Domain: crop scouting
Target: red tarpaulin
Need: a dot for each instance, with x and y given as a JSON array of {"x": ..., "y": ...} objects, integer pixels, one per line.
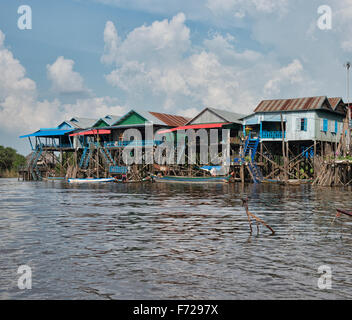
[
  {"x": 195, "y": 126},
  {"x": 91, "y": 132}
]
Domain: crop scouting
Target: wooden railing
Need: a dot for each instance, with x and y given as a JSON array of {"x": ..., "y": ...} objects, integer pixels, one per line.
[
  {"x": 133, "y": 143},
  {"x": 272, "y": 134}
]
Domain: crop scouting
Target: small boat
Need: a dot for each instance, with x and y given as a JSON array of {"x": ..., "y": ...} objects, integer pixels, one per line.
[
  {"x": 185, "y": 179},
  {"x": 54, "y": 178},
  {"x": 132, "y": 181},
  {"x": 91, "y": 180}
]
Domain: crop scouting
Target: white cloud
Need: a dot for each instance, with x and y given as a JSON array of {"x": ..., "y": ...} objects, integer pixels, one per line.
[
  {"x": 93, "y": 108},
  {"x": 166, "y": 40},
  {"x": 22, "y": 112},
  {"x": 224, "y": 47},
  {"x": 281, "y": 32},
  {"x": 19, "y": 107},
  {"x": 342, "y": 21},
  {"x": 291, "y": 74},
  {"x": 279, "y": 53},
  {"x": 214, "y": 74},
  {"x": 12, "y": 79},
  {"x": 188, "y": 112},
  {"x": 214, "y": 12},
  {"x": 63, "y": 78},
  {"x": 194, "y": 9},
  {"x": 111, "y": 41},
  {"x": 239, "y": 8}
]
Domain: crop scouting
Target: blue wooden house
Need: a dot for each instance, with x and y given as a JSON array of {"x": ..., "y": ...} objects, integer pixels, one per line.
[
  {"x": 57, "y": 139},
  {"x": 304, "y": 120}
]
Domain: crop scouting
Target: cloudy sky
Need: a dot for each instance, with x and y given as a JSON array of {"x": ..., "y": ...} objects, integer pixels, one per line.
[{"x": 96, "y": 57}]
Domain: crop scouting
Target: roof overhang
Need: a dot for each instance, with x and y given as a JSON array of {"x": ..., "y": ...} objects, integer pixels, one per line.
[
  {"x": 52, "y": 133},
  {"x": 203, "y": 111},
  {"x": 91, "y": 132},
  {"x": 99, "y": 121},
  {"x": 196, "y": 126}
]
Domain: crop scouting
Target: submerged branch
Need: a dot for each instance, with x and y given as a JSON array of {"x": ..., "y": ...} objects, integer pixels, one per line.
[{"x": 249, "y": 215}]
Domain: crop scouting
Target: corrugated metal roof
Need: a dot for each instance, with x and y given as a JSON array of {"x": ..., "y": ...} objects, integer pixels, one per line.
[
  {"x": 157, "y": 118},
  {"x": 195, "y": 126},
  {"x": 150, "y": 118},
  {"x": 82, "y": 123},
  {"x": 334, "y": 102},
  {"x": 309, "y": 103},
  {"x": 227, "y": 116},
  {"x": 170, "y": 119},
  {"x": 338, "y": 105},
  {"x": 110, "y": 119}
]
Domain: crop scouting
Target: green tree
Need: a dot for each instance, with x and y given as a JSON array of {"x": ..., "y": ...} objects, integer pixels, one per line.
[{"x": 10, "y": 159}]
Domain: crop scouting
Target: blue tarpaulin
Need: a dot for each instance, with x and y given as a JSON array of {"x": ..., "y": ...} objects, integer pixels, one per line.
[
  {"x": 47, "y": 133},
  {"x": 208, "y": 168}
]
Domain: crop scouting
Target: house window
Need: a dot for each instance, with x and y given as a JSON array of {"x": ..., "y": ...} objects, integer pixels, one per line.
[
  {"x": 335, "y": 127},
  {"x": 303, "y": 124},
  {"x": 324, "y": 125}
]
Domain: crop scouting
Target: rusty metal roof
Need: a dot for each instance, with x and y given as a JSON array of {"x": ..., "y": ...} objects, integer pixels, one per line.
[
  {"x": 334, "y": 102},
  {"x": 298, "y": 104},
  {"x": 170, "y": 119},
  {"x": 338, "y": 105}
]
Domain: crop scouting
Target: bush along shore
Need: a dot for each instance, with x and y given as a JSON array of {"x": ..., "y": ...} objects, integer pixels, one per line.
[{"x": 10, "y": 161}]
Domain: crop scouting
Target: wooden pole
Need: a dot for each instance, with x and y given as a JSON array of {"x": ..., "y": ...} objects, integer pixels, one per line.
[
  {"x": 287, "y": 158},
  {"x": 315, "y": 159},
  {"x": 242, "y": 173},
  {"x": 283, "y": 148},
  {"x": 97, "y": 162},
  {"x": 61, "y": 163}
]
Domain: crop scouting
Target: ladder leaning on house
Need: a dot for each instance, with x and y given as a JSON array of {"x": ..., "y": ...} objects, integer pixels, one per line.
[
  {"x": 87, "y": 153},
  {"x": 106, "y": 155},
  {"x": 250, "y": 150}
]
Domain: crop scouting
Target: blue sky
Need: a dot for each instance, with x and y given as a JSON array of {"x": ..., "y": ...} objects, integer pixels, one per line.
[{"x": 97, "y": 57}]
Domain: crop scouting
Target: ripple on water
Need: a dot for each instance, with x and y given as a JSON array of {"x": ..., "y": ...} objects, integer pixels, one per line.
[{"x": 172, "y": 242}]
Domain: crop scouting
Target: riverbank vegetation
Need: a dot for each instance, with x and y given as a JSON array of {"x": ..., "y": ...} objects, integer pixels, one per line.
[{"x": 10, "y": 161}]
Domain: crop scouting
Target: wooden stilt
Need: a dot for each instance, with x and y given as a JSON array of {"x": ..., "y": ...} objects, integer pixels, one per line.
[
  {"x": 242, "y": 173},
  {"x": 283, "y": 148},
  {"x": 61, "y": 163}
]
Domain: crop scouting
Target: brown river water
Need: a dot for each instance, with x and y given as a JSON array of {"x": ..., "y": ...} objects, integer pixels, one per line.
[{"x": 164, "y": 241}]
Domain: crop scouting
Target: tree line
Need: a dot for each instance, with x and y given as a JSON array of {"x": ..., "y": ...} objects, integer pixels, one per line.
[{"x": 10, "y": 161}]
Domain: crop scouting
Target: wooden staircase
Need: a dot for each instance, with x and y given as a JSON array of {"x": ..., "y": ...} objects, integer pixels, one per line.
[{"x": 250, "y": 149}]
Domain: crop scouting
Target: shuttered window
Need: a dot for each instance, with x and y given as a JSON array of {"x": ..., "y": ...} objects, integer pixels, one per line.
[
  {"x": 324, "y": 125},
  {"x": 334, "y": 127},
  {"x": 298, "y": 124},
  {"x": 301, "y": 124}
]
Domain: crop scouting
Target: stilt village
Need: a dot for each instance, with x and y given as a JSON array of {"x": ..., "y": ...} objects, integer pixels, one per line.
[{"x": 287, "y": 141}]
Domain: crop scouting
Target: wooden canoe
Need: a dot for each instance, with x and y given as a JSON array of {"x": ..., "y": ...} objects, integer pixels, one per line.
[
  {"x": 185, "y": 179},
  {"x": 132, "y": 181},
  {"x": 91, "y": 180}
]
